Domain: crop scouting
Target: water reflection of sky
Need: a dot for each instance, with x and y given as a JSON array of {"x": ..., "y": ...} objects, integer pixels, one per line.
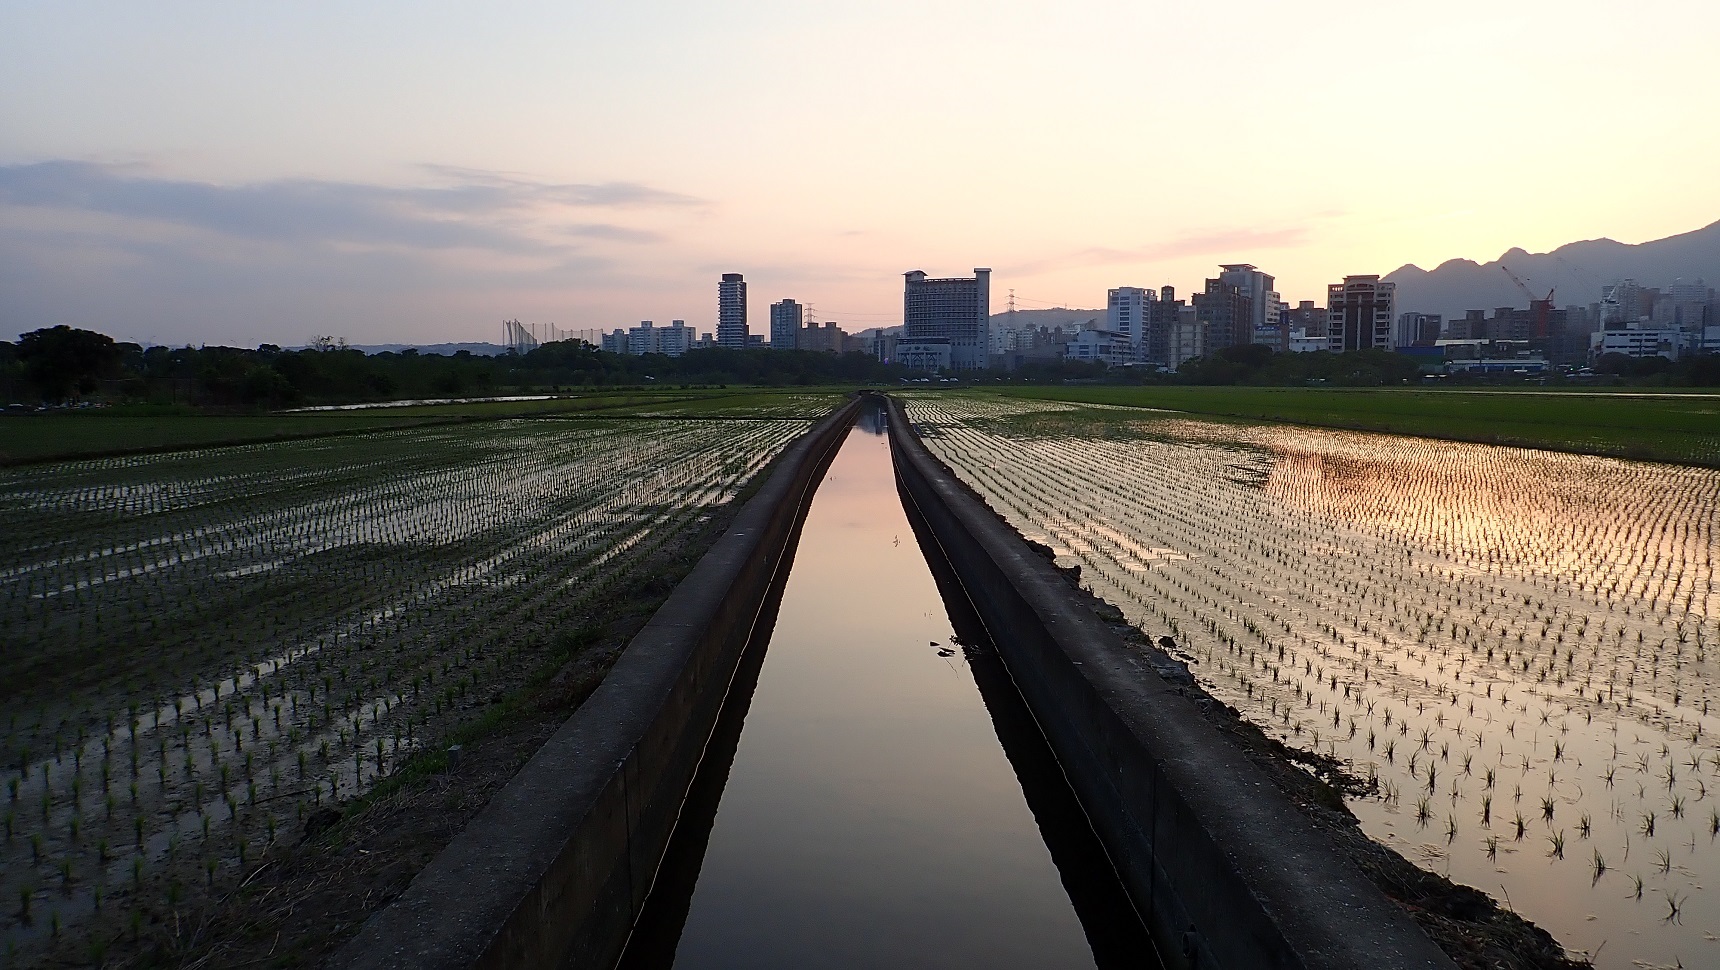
[{"x": 870, "y": 817}]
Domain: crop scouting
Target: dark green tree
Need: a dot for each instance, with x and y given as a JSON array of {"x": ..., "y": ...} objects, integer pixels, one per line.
[{"x": 63, "y": 362}]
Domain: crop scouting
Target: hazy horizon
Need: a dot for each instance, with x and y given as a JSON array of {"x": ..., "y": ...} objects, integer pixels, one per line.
[{"x": 189, "y": 173}]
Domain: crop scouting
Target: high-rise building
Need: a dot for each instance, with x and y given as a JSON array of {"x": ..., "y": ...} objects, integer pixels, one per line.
[
  {"x": 1145, "y": 316},
  {"x": 1625, "y": 303},
  {"x": 1186, "y": 339},
  {"x": 732, "y": 312},
  {"x": 954, "y": 311},
  {"x": 1227, "y": 314},
  {"x": 786, "y": 317},
  {"x": 1162, "y": 316},
  {"x": 1262, "y": 300},
  {"x": 1688, "y": 304},
  {"x": 1359, "y": 314},
  {"x": 1127, "y": 312},
  {"x": 1417, "y": 329}
]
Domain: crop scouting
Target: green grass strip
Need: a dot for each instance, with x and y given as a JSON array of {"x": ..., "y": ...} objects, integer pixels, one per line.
[{"x": 1677, "y": 428}]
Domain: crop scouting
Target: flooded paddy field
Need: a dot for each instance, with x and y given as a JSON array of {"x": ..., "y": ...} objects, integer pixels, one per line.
[
  {"x": 1514, "y": 648},
  {"x": 200, "y": 650}
]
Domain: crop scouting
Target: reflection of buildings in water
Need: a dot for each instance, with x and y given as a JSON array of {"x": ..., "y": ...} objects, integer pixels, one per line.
[{"x": 874, "y": 419}]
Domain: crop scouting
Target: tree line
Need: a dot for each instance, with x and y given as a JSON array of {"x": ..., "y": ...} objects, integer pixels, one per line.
[{"x": 65, "y": 364}]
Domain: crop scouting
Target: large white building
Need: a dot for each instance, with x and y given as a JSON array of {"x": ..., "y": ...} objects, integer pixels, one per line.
[
  {"x": 1670, "y": 344},
  {"x": 1128, "y": 311},
  {"x": 1103, "y": 346},
  {"x": 956, "y": 311},
  {"x": 647, "y": 338},
  {"x": 1360, "y": 313}
]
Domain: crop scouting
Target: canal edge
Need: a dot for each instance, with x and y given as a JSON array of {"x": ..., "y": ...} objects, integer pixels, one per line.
[
  {"x": 1226, "y": 870},
  {"x": 554, "y": 870}
]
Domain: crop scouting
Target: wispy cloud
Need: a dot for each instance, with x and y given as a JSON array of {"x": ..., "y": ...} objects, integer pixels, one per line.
[
  {"x": 610, "y": 194},
  {"x": 1204, "y": 243},
  {"x": 133, "y": 252},
  {"x": 613, "y": 233},
  {"x": 469, "y": 210}
]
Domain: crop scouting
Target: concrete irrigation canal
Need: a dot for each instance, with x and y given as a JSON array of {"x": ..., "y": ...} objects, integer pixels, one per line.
[{"x": 874, "y": 728}]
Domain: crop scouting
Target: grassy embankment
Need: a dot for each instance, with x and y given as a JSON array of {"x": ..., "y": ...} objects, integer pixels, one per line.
[
  {"x": 105, "y": 432},
  {"x": 1684, "y": 429}
]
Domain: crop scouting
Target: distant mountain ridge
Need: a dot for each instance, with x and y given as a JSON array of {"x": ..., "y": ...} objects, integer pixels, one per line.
[
  {"x": 1069, "y": 318},
  {"x": 1577, "y": 271}
]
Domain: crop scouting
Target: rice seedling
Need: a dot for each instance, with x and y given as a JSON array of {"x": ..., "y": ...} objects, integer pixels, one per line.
[
  {"x": 1674, "y": 906},
  {"x": 1517, "y": 615},
  {"x": 211, "y": 629}
]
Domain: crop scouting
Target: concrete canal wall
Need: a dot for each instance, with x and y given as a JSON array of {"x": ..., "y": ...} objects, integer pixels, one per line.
[
  {"x": 555, "y": 869},
  {"x": 1226, "y": 872}
]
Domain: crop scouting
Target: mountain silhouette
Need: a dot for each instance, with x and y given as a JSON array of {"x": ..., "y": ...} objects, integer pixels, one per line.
[
  {"x": 1577, "y": 271},
  {"x": 1069, "y": 318}
]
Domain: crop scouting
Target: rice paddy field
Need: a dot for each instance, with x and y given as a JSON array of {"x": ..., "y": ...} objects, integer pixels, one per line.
[
  {"x": 35, "y": 438},
  {"x": 1682, "y": 427},
  {"x": 1515, "y": 648},
  {"x": 198, "y": 650}
]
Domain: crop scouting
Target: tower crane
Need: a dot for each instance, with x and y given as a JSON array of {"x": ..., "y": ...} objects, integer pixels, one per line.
[{"x": 1540, "y": 311}]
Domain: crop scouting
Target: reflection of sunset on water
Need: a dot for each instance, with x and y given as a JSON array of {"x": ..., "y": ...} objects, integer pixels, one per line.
[
  {"x": 1605, "y": 526},
  {"x": 1515, "y": 646}
]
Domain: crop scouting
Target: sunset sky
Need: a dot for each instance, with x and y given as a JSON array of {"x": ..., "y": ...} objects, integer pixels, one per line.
[{"x": 417, "y": 172}]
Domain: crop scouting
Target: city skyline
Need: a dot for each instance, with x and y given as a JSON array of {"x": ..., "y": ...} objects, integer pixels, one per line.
[{"x": 210, "y": 174}]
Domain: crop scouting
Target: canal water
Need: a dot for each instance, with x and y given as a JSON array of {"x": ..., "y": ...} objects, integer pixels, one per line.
[{"x": 875, "y": 794}]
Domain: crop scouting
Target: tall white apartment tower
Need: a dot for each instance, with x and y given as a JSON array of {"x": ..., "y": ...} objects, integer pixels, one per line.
[
  {"x": 1128, "y": 312},
  {"x": 732, "y": 312}
]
